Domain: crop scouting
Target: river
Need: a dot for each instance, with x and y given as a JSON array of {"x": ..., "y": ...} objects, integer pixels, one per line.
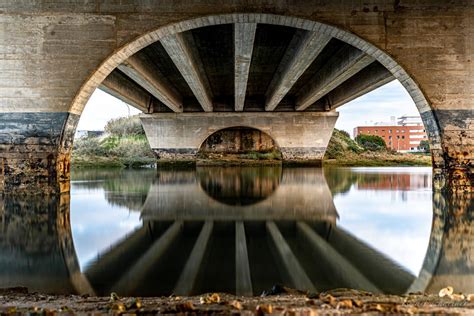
[{"x": 231, "y": 229}]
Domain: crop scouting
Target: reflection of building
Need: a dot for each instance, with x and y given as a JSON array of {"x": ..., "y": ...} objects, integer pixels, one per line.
[
  {"x": 391, "y": 182},
  {"x": 403, "y": 136}
]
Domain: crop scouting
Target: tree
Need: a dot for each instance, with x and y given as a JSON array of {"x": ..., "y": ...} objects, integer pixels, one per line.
[
  {"x": 371, "y": 142},
  {"x": 424, "y": 146}
]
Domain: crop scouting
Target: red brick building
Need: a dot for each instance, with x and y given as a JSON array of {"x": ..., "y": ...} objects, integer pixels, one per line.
[{"x": 404, "y": 136}]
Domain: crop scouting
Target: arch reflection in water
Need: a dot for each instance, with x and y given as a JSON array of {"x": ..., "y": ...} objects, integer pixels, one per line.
[{"x": 193, "y": 253}]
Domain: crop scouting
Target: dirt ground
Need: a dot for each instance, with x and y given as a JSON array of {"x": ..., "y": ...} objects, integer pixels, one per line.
[{"x": 288, "y": 302}]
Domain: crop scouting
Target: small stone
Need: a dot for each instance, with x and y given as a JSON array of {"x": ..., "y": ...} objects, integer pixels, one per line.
[
  {"x": 114, "y": 297},
  {"x": 264, "y": 309},
  {"x": 447, "y": 291},
  {"x": 235, "y": 304},
  {"x": 344, "y": 304}
]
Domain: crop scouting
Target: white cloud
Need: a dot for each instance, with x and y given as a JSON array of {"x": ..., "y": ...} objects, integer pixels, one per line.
[
  {"x": 102, "y": 107},
  {"x": 389, "y": 100}
]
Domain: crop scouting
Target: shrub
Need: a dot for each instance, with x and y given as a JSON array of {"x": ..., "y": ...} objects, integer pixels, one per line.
[
  {"x": 424, "y": 146},
  {"x": 125, "y": 126},
  {"x": 371, "y": 142}
]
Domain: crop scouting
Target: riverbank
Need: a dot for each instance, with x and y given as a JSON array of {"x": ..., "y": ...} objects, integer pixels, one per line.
[
  {"x": 380, "y": 159},
  {"x": 342, "y": 301}
]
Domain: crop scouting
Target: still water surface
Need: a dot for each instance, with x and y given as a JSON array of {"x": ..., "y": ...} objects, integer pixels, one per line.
[{"x": 244, "y": 229}]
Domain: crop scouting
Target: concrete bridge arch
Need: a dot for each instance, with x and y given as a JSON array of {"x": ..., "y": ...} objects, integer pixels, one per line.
[{"x": 39, "y": 156}]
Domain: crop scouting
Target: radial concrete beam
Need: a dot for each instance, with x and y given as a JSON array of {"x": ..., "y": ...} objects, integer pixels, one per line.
[
  {"x": 295, "y": 271},
  {"x": 338, "y": 69},
  {"x": 244, "y": 36},
  {"x": 142, "y": 70},
  {"x": 131, "y": 279},
  {"x": 182, "y": 51},
  {"x": 301, "y": 52},
  {"x": 188, "y": 276},
  {"x": 368, "y": 79},
  {"x": 121, "y": 87},
  {"x": 243, "y": 281}
]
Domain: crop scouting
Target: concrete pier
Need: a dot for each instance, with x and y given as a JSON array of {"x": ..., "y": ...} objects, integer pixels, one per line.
[{"x": 300, "y": 137}]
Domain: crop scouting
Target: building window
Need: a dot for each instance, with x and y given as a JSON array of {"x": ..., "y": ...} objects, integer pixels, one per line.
[
  {"x": 390, "y": 131},
  {"x": 403, "y": 131},
  {"x": 390, "y": 143},
  {"x": 398, "y": 136},
  {"x": 390, "y": 137},
  {"x": 376, "y": 130},
  {"x": 403, "y": 137}
]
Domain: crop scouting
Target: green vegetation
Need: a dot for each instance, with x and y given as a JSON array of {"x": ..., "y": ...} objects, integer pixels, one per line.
[
  {"x": 371, "y": 142},
  {"x": 368, "y": 151},
  {"x": 424, "y": 146},
  {"x": 125, "y": 145},
  {"x": 255, "y": 155}
]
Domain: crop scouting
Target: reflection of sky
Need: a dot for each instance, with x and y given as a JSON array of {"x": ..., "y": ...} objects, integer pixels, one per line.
[
  {"x": 396, "y": 223},
  {"x": 96, "y": 225}
]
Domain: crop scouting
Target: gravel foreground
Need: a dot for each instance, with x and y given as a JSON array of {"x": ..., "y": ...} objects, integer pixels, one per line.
[{"x": 286, "y": 302}]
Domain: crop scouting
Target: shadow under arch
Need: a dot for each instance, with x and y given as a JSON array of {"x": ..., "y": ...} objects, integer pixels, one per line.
[{"x": 270, "y": 142}]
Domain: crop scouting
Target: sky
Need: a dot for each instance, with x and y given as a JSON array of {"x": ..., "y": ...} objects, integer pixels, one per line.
[{"x": 389, "y": 100}]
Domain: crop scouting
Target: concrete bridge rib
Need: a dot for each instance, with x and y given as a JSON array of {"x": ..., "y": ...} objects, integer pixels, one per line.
[
  {"x": 244, "y": 36},
  {"x": 243, "y": 280},
  {"x": 142, "y": 70},
  {"x": 188, "y": 276},
  {"x": 341, "y": 267},
  {"x": 119, "y": 86},
  {"x": 301, "y": 52},
  {"x": 132, "y": 278},
  {"x": 346, "y": 63},
  {"x": 292, "y": 266},
  {"x": 184, "y": 55},
  {"x": 368, "y": 79}
]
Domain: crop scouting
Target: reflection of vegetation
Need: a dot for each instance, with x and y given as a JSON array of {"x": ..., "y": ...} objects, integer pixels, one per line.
[
  {"x": 343, "y": 151},
  {"x": 340, "y": 180},
  {"x": 125, "y": 146},
  {"x": 127, "y": 188},
  {"x": 239, "y": 185}
]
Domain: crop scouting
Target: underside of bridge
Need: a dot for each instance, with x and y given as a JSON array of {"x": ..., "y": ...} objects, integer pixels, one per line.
[
  {"x": 279, "y": 60},
  {"x": 282, "y": 80}
]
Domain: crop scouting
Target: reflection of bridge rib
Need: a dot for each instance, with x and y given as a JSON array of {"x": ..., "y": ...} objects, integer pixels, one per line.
[
  {"x": 379, "y": 269},
  {"x": 243, "y": 257}
]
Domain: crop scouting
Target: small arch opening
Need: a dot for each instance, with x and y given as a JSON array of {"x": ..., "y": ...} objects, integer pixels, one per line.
[{"x": 239, "y": 143}]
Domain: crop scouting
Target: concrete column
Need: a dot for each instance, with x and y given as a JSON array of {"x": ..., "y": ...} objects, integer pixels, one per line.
[
  {"x": 301, "y": 52},
  {"x": 301, "y": 137},
  {"x": 455, "y": 166},
  {"x": 35, "y": 151}
]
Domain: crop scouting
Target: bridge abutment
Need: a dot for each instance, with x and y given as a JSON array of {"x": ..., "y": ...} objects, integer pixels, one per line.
[
  {"x": 35, "y": 152},
  {"x": 301, "y": 137}
]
